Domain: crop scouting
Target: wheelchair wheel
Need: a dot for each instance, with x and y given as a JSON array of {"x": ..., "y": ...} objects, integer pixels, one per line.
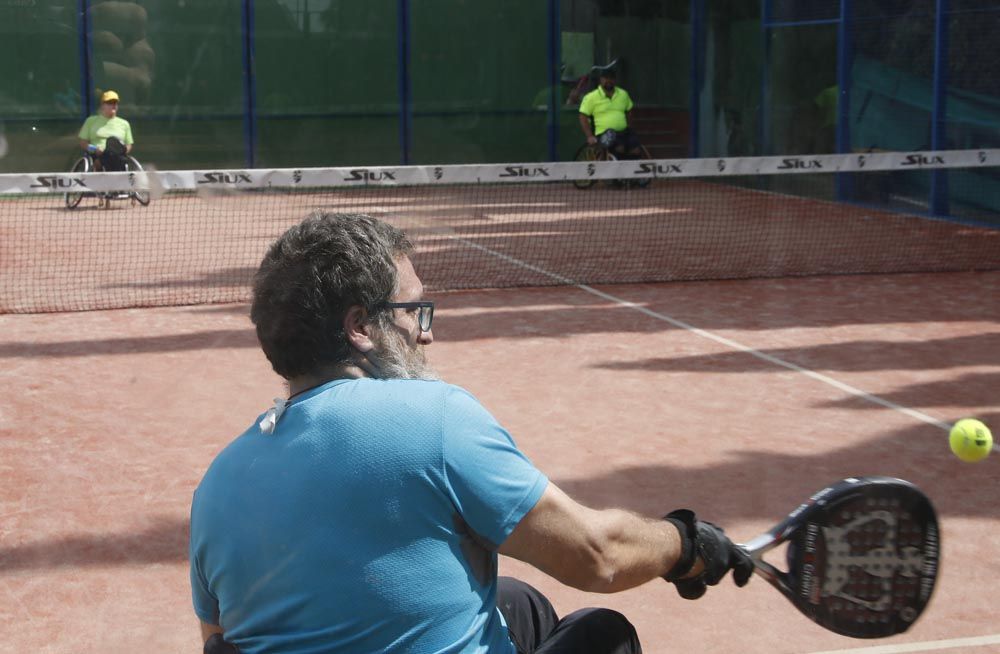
[
  {"x": 142, "y": 197},
  {"x": 589, "y": 152},
  {"x": 82, "y": 165}
]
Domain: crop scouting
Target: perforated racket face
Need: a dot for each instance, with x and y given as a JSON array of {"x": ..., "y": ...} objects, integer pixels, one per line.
[{"x": 865, "y": 559}]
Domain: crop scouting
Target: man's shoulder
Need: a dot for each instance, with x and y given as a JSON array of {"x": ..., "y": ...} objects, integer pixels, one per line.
[
  {"x": 405, "y": 390},
  {"x": 589, "y": 100},
  {"x": 427, "y": 387},
  {"x": 436, "y": 393}
]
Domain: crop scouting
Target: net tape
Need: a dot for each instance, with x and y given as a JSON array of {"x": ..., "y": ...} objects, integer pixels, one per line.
[{"x": 193, "y": 180}]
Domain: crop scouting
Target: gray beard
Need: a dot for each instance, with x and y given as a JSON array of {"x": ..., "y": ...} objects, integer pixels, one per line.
[{"x": 397, "y": 360}]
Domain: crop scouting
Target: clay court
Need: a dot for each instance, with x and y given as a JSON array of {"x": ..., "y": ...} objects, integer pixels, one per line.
[{"x": 737, "y": 398}]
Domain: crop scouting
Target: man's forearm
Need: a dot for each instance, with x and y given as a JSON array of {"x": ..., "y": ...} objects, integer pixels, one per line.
[
  {"x": 636, "y": 549},
  {"x": 595, "y": 550}
]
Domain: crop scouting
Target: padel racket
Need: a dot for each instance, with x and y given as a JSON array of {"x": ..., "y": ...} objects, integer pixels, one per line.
[{"x": 862, "y": 556}]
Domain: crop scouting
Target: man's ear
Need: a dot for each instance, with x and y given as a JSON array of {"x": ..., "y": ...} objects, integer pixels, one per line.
[{"x": 357, "y": 329}]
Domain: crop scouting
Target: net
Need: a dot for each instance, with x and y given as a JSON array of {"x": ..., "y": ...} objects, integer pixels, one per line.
[{"x": 203, "y": 233}]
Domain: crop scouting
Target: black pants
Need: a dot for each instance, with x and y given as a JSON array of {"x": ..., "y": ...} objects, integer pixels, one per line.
[
  {"x": 536, "y": 629},
  {"x": 114, "y": 155},
  {"x": 112, "y": 162}
]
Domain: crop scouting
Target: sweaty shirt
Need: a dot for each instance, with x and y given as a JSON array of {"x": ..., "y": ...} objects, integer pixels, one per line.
[{"x": 368, "y": 521}]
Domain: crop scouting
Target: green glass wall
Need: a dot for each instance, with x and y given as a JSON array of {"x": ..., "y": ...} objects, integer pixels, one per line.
[
  {"x": 326, "y": 87},
  {"x": 186, "y": 104},
  {"x": 40, "y": 85},
  {"x": 476, "y": 69},
  {"x": 291, "y": 83}
]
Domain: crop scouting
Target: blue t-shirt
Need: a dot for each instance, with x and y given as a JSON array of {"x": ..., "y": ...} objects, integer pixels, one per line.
[{"x": 368, "y": 521}]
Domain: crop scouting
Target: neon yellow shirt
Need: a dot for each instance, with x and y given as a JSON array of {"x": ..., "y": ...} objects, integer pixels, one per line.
[
  {"x": 97, "y": 129},
  {"x": 608, "y": 113}
]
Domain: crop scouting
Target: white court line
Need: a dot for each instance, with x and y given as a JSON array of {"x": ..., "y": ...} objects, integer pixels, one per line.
[
  {"x": 927, "y": 646},
  {"x": 847, "y": 388}
]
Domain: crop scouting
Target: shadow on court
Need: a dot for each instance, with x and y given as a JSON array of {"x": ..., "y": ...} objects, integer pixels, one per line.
[
  {"x": 750, "y": 485},
  {"x": 766, "y": 485},
  {"x": 166, "y": 541}
]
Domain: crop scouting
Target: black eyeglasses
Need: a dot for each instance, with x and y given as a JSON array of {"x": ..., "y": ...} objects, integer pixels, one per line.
[{"x": 425, "y": 311}]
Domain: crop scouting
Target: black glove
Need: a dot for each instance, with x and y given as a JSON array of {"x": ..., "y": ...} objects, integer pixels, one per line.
[{"x": 700, "y": 539}]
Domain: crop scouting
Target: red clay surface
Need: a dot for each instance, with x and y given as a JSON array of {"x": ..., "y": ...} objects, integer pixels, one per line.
[{"x": 109, "y": 419}]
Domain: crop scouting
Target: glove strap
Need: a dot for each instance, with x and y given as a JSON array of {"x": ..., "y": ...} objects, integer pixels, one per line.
[{"x": 685, "y": 522}]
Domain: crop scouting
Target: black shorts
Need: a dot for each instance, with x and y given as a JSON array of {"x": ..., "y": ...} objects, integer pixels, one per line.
[{"x": 623, "y": 141}]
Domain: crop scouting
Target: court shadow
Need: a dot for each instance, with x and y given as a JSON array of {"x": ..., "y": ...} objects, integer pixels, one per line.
[
  {"x": 240, "y": 277},
  {"x": 853, "y": 356},
  {"x": 753, "y": 305},
  {"x": 238, "y": 309},
  {"x": 973, "y": 389},
  {"x": 202, "y": 340},
  {"x": 764, "y": 485},
  {"x": 165, "y": 541}
]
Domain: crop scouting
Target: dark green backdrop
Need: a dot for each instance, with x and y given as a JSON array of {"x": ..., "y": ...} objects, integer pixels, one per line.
[{"x": 292, "y": 83}]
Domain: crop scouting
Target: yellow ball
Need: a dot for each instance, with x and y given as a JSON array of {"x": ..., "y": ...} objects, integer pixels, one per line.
[{"x": 970, "y": 440}]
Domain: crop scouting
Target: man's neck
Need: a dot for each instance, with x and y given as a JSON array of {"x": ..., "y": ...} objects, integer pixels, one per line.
[{"x": 303, "y": 383}]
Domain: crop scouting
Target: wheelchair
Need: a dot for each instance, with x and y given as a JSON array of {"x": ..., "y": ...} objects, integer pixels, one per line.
[
  {"x": 88, "y": 164},
  {"x": 598, "y": 152}
]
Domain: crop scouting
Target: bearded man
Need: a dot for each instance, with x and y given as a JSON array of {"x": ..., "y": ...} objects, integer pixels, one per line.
[{"x": 365, "y": 512}]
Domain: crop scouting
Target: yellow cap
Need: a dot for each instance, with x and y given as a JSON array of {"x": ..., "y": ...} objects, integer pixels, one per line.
[{"x": 109, "y": 96}]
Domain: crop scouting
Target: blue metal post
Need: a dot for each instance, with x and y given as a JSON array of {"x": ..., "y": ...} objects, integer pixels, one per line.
[
  {"x": 939, "y": 115},
  {"x": 249, "y": 91},
  {"x": 405, "y": 99},
  {"x": 555, "y": 64},
  {"x": 86, "y": 82},
  {"x": 764, "y": 118},
  {"x": 697, "y": 76},
  {"x": 845, "y": 60}
]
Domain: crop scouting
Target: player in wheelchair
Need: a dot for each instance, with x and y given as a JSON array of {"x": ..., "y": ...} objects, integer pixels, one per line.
[
  {"x": 106, "y": 136},
  {"x": 604, "y": 118},
  {"x": 106, "y": 140}
]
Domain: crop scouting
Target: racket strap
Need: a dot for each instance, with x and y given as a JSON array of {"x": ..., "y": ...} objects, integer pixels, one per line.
[{"x": 686, "y": 523}]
